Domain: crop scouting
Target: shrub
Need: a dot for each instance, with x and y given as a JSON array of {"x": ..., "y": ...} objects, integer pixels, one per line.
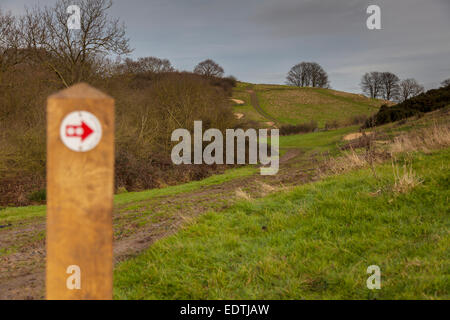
[
  {"x": 358, "y": 120},
  {"x": 38, "y": 196},
  {"x": 148, "y": 108},
  {"x": 426, "y": 102},
  {"x": 332, "y": 124},
  {"x": 299, "y": 128}
]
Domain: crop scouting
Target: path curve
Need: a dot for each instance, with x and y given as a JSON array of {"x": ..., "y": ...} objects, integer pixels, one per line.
[{"x": 255, "y": 103}]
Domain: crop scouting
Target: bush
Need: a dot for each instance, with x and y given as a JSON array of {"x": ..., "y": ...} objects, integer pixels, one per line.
[
  {"x": 332, "y": 124},
  {"x": 426, "y": 102},
  {"x": 226, "y": 84},
  {"x": 299, "y": 128},
  {"x": 358, "y": 120},
  {"x": 148, "y": 108},
  {"x": 38, "y": 196}
]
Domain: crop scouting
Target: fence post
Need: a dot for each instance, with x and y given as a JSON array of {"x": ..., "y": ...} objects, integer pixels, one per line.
[{"x": 80, "y": 186}]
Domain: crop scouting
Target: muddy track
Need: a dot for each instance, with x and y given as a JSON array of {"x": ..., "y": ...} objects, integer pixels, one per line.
[{"x": 136, "y": 226}]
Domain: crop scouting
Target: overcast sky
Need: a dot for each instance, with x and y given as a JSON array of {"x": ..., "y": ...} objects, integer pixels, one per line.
[{"x": 260, "y": 40}]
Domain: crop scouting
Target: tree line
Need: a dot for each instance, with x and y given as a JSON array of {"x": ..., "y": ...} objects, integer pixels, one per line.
[
  {"x": 388, "y": 86},
  {"x": 40, "y": 55},
  {"x": 42, "y": 36},
  {"x": 375, "y": 84}
]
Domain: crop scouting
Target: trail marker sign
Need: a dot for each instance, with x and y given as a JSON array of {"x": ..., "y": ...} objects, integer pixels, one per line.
[
  {"x": 80, "y": 185},
  {"x": 81, "y": 131}
]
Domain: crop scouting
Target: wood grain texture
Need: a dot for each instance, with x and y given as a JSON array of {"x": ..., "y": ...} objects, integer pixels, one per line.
[{"x": 80, "y": 190}]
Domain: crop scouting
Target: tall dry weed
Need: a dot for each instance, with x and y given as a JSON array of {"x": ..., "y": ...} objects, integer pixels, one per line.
[
  {"x": 434, "y": 137},
  {"x": 405, "y": 178}
]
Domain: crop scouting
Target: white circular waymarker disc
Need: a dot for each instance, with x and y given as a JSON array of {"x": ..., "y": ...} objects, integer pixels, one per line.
[{"x": 80, "y": 131}]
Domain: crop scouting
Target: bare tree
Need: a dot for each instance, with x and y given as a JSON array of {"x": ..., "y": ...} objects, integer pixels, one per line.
[
  {"x": 390, "y": 86},
  {"x": 319, "y": 78},
  {"x": 445, "y": 83},
  {"x": 409, "y": 88},
  {"x": 74, "y": 55},
  {"x": 155, "y": 65},
  {"x": 12, "y": 50},
  {"x": 146, "y": 65},
  {"x": 209, "y": 68},
  {"x": 371, "y": 84},
  {"x": 299, "y": 75},
  {"x": 307, "y": 74}
]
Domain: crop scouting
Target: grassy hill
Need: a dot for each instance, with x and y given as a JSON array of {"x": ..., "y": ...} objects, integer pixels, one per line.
[
  {"x": 309, "y": 232},
  {"x": 316, "y": 240},
  {"x": 291, "y": 105}
]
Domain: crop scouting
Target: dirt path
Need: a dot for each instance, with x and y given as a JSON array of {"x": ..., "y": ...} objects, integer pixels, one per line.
[
  {"x": 136, "y": 226},
  {"x": 255, "y": 103}
]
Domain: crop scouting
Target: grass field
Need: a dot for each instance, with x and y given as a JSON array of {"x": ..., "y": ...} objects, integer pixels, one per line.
[
  {"x": 313, "y": 242},
  {"x": 312, "y": 142},
  {"x": 9, "y": 215},
  {"x": 317, "y": 141},
  {"x": 307, "y": 240},
  {"x": 291, "y": 105}
]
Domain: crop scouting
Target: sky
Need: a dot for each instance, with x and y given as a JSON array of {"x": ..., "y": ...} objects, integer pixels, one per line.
[{"x": 258, "y": 41}]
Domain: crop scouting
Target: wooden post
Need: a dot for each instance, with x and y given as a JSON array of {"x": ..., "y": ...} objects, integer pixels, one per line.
[{"x": 80, "y": 185}]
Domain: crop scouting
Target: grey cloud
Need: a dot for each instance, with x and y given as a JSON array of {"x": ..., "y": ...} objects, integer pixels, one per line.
[{"x": 259, "y": 40}]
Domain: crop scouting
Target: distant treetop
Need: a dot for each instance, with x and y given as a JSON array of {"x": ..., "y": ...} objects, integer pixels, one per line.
[
  {"x": 209, "y": 68},
  {"x": 308, "y": 74}
]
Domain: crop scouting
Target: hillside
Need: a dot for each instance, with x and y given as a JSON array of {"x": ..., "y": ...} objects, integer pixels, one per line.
[
  {"x": 426, "y": 102},
  {"x": 308, "y": 232},
  {"x": 287, "y": 105}
]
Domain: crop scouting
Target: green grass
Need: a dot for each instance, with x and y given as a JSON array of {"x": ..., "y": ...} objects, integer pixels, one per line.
[
  {"x": 317, "y": 141},
  {"x": 291, "y": 105},
  {"x": 229, "y": 175},
  {"x": 250, "y": 113},
  {"x": 313, "y": 242},
  {"x": 10, "y": 215},
  {"x": 320, "y": 141}
]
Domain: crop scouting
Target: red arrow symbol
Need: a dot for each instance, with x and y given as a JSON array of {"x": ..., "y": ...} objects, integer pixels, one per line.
[{"x": 74, "y": 132}]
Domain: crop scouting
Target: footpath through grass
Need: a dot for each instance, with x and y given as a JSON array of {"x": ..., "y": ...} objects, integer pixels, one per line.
[
  {"x": 313, "y": 242},
  {"x": 317, "y": 141},
  {"x": 11, "y": 215},
  {"x": 311, "y": 142}
]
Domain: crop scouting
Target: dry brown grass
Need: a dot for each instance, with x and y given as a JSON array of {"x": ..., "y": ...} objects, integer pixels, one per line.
[
  {"x": 349, "y": 161},
  {"x": 266, "y": 188},
  {"x": 434, "y": 137},
  {"x": 405, "y": 178},
  {"x": 241, "y": 194},
  {"x": 355, "y": 158}
]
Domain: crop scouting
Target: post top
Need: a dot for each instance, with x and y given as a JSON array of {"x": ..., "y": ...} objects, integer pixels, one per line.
[{"x": 80, "y": 91}]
